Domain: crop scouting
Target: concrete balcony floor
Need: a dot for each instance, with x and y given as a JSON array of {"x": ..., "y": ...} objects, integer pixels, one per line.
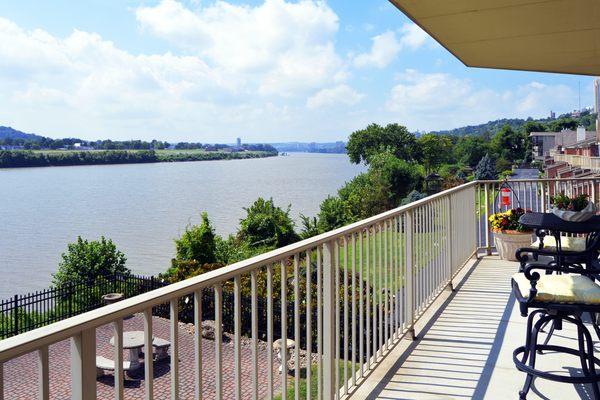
[{"x": 465, "y": 345}]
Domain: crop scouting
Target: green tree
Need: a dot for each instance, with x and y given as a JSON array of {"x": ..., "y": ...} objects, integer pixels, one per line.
[
  {"x": 510, "y": 144},
  {"x": 435, "y": 150},
  {"x": 470, "y": 149},
  {"x": 85, "y": 261},
  {"x": 395, "y": 177},
  {"x": 486, "y": 170},
  {"x": 197, "y": 243},
  {"x": 365, "y": 143},
  {"x": 267, "y": 225},
  {"x": 563, "y": 123},
  {"x": 333, "y": 213},
  {"x": 534, "y": 126}
]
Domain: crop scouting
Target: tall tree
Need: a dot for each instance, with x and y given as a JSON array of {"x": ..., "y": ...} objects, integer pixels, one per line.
[
  {"x": 365, "y": 143},
  {"x": 435, "y": 150}
]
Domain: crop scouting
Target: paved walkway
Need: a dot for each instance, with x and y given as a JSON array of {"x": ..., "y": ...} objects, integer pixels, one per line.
[
  {"x": 465, "y": 349},
  {"x": 20, "y": 375}
]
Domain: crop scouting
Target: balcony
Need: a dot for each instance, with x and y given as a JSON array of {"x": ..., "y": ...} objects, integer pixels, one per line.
[{"x": 419, "y": 271}]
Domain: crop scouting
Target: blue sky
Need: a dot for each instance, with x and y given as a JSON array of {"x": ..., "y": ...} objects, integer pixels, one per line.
[{"x": 270, "y": 70}]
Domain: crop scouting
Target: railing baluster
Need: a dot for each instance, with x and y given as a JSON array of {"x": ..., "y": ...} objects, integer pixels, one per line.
[
  {"x": 374, "y": 296},
  {"x": 345, "y": 288},
  {"x": 254, "y": 318},
  {"x": 409, "y": 228},
  {"x": 1, "y": 381},
  {"x": 237, "y": 342},
  {"x": 43, "y": 374},
  {"x": 218, "y": 341},
  {"x": 319, "y": 326},
  {"x": 308, "y": 326},
  {"x": 380, "y": 291},
  {"x": 353, "y": 288},
  {"x": 386, "y": 284},
  {"x": 361, "y": 304},
  {"x": 336, "y": 267},
  {"x": 118, "y": 357},
  {"x": 297, "y": 326},
  {"x": 148, "y": 361},
  {"x": 198, "y": 384},
  {"x": 330, "y": 343},
  {"x": 83, "y": 365},
  {"x": 174, "y": 325},
  {"x": 283, "y": 349},
  {"x": 269, "y": 331}
]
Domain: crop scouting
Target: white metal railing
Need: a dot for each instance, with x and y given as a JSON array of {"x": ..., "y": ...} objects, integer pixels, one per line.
[
  {"x": 374, "y": 278},
  {"x": 575, "y": 160},
  {"x": 530, "y": 194}
]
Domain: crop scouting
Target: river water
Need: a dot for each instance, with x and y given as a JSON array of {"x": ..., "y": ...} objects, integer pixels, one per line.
[{"x": 143, "y": 207}]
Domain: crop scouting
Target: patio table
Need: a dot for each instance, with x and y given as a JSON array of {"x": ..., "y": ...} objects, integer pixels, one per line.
[{"x": 132, "y": 341}]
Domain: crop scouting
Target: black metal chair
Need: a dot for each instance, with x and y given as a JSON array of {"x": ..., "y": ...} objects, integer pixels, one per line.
[{"x": 556, "y": 298}]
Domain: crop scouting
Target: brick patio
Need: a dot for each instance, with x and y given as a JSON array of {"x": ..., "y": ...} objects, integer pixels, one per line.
[{"x": 20, "y": 374}]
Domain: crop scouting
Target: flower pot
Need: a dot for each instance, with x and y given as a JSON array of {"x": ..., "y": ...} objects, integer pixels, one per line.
[{"x": 507, "y": 243}]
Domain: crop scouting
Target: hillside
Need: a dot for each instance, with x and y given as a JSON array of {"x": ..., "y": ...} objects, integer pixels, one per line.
[{"x": 6, "y": 132}]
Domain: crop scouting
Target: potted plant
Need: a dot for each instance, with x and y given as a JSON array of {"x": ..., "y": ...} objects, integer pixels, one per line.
[
  {"x": 509, "y": 234},
  {"x": 577, "y": 209}
]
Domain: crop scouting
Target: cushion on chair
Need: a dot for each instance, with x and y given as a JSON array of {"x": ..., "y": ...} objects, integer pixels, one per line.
[
  {"x": 566, "y": 288},
  {"x": 567, "y": 242}
]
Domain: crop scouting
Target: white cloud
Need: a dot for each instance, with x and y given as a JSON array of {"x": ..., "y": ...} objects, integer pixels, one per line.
[
  {"x": 285, "y": 46},
  {"x": 387, "y": 46},
  {"x": 341, "y": 94},
  {"x": 435, "y": 101}
]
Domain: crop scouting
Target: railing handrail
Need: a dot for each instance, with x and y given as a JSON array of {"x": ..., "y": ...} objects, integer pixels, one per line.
[{"x": 26, "y": 342}]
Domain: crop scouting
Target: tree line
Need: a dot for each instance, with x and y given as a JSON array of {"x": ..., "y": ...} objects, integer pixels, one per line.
[{"x": 28, "y": 158}]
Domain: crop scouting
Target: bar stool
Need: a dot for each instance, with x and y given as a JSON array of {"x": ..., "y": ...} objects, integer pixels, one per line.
[{"x": 556, "y": 298}]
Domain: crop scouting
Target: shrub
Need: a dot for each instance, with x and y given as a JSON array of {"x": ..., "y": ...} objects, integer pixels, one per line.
[{"x": 197, "y": 243}]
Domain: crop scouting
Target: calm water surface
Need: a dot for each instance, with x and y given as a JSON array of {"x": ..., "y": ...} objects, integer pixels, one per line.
[{"x": 143, "y": 207}]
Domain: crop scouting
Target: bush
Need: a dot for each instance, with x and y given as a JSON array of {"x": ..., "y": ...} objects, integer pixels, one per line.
[
  {"x": 197, "y": 243},
  {"x": 267, "y": 225},
  {"x": 86, "y": 261}
]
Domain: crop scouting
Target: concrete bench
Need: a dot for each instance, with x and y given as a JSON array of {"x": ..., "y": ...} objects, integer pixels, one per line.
[
  {"x": 161, "y": 347},
  {"x": 105, "y": 364}
]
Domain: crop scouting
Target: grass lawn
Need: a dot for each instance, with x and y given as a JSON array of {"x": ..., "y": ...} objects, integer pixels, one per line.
[{"x": 314, "y": 382}]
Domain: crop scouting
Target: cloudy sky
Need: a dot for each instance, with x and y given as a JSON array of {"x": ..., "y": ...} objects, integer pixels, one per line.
[{"x": 271, "y": 70}]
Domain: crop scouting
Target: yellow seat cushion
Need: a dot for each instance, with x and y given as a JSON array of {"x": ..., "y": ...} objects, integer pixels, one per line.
[
  {"x": 566, "y": 288},
  {"x": 567, "y": 242}
]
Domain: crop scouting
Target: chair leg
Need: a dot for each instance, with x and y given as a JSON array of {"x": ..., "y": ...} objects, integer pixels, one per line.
[
  {"x": 531, "y": 349},
  {"x": 594, "y": 318},
  {"x": 591, "y": 360},
  {"x": 582, "y": 351}
]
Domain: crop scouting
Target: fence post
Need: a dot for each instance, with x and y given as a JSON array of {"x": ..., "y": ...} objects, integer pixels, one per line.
[
  {"x": 329, "y": 328},
  {"x": 152, "y": 283},
  {"x": 410, "y": 282},
  {"x": 488, "y": 239},
  {"x": 70, "y": 302},
  {"x": 16, "y": 314}
]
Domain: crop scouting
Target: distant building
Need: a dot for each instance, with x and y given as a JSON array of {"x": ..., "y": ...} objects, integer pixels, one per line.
[
  {"x": 596, "y": 95},
  {"x": 552, "y": 115},
  {"x": 239, "y": 142}
]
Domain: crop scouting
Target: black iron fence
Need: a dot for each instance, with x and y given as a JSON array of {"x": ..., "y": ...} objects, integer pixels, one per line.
[{"x": 22, "y": 313}]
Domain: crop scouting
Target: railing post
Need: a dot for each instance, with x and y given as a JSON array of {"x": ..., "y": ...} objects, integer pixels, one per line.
[
  {"x": 329, "y": 328},
  {"x": 488, "y": 239},
  {"x": 16, "y": 314},
  {"x": 410, "y": 282},
  {"x": 83, "y": 365}
]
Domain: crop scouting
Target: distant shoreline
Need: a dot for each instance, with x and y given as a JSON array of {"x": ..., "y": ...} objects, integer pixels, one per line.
[{"x": 63, "y": 158}]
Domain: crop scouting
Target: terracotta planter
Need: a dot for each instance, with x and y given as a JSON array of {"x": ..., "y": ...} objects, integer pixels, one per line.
[{"x": 507, "y": 243}]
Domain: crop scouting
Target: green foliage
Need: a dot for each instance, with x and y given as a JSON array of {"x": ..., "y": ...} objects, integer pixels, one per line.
[
  {"x": 564, "y": 202},
  {"x": 503, "y": 165},
  {"x": 486, "y": 170},
  {"x": 333, "y": 213},
  {"x": 563, "y": 123},
  {"x": 374, "y": 139},
  {"x": 197, "y": 243},
  {"x": 310, "y": 226},
  {"x": 534, "y": 126},
  {"x": 510, "y": 144},
  {"x": 86, "y": 261},
  {"x": 435, "y": 150},
  {"x": 267, "y": 225},
  {"x": 394, "y": 177},
  {"x": 470, "y": 149},
  {"x": 412, "y": 197}
]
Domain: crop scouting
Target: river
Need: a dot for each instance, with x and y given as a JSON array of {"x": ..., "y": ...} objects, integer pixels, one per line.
[{"x": 143, "y": 207}]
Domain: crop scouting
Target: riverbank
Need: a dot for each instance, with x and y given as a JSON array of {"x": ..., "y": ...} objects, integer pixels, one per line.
[{"x": 58, "y": 158}]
